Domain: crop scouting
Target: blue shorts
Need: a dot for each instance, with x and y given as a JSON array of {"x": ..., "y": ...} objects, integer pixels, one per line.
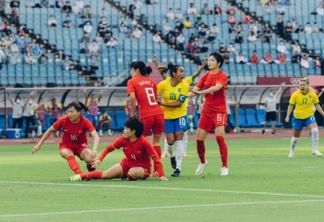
[
  {"x": 175, "y": 125},
  {"x": 298, "y": 124}
]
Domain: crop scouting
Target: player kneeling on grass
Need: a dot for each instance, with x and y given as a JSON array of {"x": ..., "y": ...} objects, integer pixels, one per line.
[
  {"x": 138, "y": 154},
  {"x": 74, "y": 140}
]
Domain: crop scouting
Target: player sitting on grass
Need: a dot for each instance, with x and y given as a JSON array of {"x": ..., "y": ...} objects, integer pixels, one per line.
[{"x": 138, "y": 154}]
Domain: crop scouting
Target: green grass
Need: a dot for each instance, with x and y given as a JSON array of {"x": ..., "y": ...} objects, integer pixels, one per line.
[{"x": 263, "y": 185}]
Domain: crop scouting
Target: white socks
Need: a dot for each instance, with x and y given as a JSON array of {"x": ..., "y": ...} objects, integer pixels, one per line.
[
  {"x": 39, "y": 130},
  {"x": 179, "y": 152},
  {"x": 293, "y": 143},
  {"x": 315, "y": 139},
  {"x": 185, "y": 141}
]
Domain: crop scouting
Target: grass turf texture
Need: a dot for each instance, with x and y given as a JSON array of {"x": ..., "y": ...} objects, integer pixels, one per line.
[{"x": 263, "y": 185}]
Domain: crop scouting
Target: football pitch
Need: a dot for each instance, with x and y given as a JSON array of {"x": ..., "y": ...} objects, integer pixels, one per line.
[{"x": 263, "y": 185}]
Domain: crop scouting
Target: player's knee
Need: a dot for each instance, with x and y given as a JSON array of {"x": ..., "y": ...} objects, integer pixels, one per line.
[{"x": 315, "y": 131}]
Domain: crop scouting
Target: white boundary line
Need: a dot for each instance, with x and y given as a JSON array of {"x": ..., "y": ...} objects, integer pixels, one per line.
[
  {"x": 161, "y": 208},
  {"x": 83, "y": 184}
]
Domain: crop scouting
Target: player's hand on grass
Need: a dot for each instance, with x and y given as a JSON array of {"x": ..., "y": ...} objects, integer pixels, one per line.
[
  {"x": 96, "y": 163},
  {"x": 36, "y": 148},
  {"x": 163, "y": 178}
]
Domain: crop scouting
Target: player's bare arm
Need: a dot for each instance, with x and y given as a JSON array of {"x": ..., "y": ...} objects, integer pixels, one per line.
[
  {"x": 42, "y": 140},
  {"x": 212, "y": 89}
]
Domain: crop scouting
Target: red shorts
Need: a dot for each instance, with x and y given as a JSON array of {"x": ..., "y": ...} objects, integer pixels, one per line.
[
  {"x": 77, "y": 150},
  {"x": 153, "y": 124},
  {"x": 126, "y": 167},
  {"x": 208, "y": 124}
]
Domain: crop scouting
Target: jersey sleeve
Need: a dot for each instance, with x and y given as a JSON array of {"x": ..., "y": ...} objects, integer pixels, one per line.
[
  {"x": 292, "y": 99},
  {"x": 223, "y": 80},
  {"x": 87, "y": 101},
  {"x": 111, "y": 147},
  {"x": 89, "y": 126},
  {"x": 59, "y": 123},
  {"x": 160, "y": 87},
  {"x": 316, "y": 100},
  {"x": 201, "y": 81},
  {"x": 189, "y": 80},
  {"x": 130, "y": 87}
]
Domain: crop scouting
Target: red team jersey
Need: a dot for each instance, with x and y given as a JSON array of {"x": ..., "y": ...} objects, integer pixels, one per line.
[
  {"x": 214, "y": 102},
  {"x": 138, "y": 153},
  {"x": 74, "y": 134},
  {"x": 145, "y": 93}
]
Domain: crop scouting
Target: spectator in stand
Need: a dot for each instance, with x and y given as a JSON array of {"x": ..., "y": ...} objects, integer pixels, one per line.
[
  {"x": 304, "y": 62},
  {"x": 267, "y": 59},
  {"x": 247, "y": 19},
  {"x": 281, "y": 59},
  {"x": 299, "y": 30},
  {"x": 231, "y": 49},
  {"x": 192, "y": 9},
  {"x": 296, "y": 57},
  {"x": 227, "y": 59},
  {"x": 294, "y": 23},
  {"x": 99, "y": 39},
  {"x": 240, "y": 59},
  {"x": 222, "y": 49},
  {"x": 14, "y": 4},
  {"x": 252, "y": 37},
  {"x": 288, "y": 31},
  {"x": 87, "y": 28},
  {"x": 308, "y": 28},
  {"x": 282, "y": 48},
  {"x": 231, "y": 11},
  {"x": 112, "y": 42},
  {"x": 180, "y": 40},
  {"x": 136, "y": 34},
  {"x": 29, "y": 59},
  {"x": 14, "y": 54},
  {"x": 52, "y": 22},
  {"x": 67, "y": 7},
  {"x": 268, "y": 9},
  {"x": 85, "y": 38},
  {"x": 187, "y": 23},
  {"x": 80, "y": 4},
  {"x": 254, "y": 58},
  {"x": 157, "y": 38},
  {"x": 280, "y": 27},
  {"x": 67, "y": 22},
  {"x": 320, "y": 9},
  {"x": 123, "y": 26},
  {"x": 93, "y": 48},
  {"x": 318, "y": 63},
  {"x": 30, "y": 3},
  {"x": 170, "y": 14},
  {"x": 198, "y": 21},
  {"x": 280, "y": 9},
  {"x": 178, "y": 14},
  {"x": 217, "y": 10},
  {"x": 166, "y": 28},
  {"x": 316, "y": 29},
  {"x": 231, "y": 20},
  {"x": 238, "y": 38},
  {"x": 205, "y": 10}
]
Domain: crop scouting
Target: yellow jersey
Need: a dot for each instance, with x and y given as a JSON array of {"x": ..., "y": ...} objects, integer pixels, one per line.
[
  {"x": 172, "y": 94},
  {"x": 303, "y": 104}
]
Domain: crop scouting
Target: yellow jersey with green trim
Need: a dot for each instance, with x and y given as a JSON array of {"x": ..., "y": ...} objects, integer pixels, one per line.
[
  {"x": 172, "y": 94},
  {"x": 303, "y": 104}
]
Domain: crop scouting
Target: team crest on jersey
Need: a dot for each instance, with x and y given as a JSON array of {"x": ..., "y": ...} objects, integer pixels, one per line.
[
  {"x": 80, "y": 131},
  {"x": 179, "y": 89}
]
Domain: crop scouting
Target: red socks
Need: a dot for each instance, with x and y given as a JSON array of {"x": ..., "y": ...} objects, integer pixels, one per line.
[
  {"x": 91, "y": 175},
  {"x": 158, "y": 150},
  {"x": 222, "y": 149},
  {"x": 201, "y": 150},
  {"x": 73, "y": 164}
]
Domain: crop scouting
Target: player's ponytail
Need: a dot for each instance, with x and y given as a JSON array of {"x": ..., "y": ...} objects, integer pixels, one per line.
[
  {"x": 172, "y": 68},
  {"x": 141, "y": 66}
]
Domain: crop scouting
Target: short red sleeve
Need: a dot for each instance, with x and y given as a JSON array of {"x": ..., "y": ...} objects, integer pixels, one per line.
[
  {"x": 130, "y": 87},
  {"x": 201, "y": 81},
  {"x": 59, "y": 123},
  {"x": 89, "y": 126}
]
